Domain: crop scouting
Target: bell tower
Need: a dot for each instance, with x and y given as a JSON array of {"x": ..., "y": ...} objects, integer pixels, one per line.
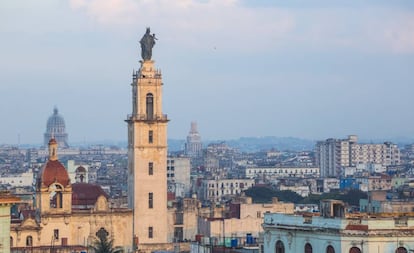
[{"x": 147, "y": 151}]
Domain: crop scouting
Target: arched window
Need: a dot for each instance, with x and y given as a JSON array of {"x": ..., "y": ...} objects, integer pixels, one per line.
[
  {"x": 401, "y": 250},
  {"x": 280, "y": 248},
  {"x": 308, "y": 248},
  {"x": 354, "y": 250},
  {"x": 56, "y": 196},
  {"x": 11, "y": 241},
  {"x": 150, "y": 106},
  {"x": 29, "y": 241},
  {"x": 330, "y": 249}
]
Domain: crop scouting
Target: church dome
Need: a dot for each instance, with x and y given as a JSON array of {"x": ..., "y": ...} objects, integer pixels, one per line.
[
  {"x": 56, "y": 128},
  {"x": 53, "y": 171}
]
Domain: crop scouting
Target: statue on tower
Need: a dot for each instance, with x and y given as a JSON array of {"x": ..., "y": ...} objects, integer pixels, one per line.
[{"x": 147, "y": 43}]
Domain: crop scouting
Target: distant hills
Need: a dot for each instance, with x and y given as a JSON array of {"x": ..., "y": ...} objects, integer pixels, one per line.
[
  {"x": 253, "y": 144},
  {"x": 244, "y": 144}
]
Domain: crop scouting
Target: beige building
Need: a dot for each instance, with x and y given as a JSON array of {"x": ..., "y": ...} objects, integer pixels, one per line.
[
  {"x": 67, "y": 217},
  {"x": 239, "y": 219},
  {"x": 147, "y": 157}
]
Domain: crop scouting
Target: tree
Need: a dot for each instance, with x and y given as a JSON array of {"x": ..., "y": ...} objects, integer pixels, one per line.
[{"x": 103, "y": 244}]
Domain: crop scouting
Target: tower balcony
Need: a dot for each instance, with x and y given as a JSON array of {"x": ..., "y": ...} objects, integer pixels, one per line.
[{"x": 145, "y": 117}]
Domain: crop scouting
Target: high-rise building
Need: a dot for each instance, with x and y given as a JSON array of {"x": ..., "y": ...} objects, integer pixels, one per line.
[
  {"x": 56, "y": 129},
  {"x": 193, "y": 146},
  {"x": 332, "y": 155},
  {"x": 147, "y": 152}
]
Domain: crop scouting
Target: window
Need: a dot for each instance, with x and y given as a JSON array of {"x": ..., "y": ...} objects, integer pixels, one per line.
[
  {"x": 280, "y": 248},
  {"x": 258, "y": 214},
  {"x": 150, "y": 136},
  {"x": 150, "y": 232},
  {"x": 29, "y": 241},
  {"x": 330, "y": 249},
  {"x": 56, "y": 196},
  {"x": 308, "y": 248},
  {"x": 150, "y": 200},
  {"x": 56, "y": 234},
  {"x": 150, "y": 168},
  {"x": 354, "y": 250},
  {"x": 401, "y": 250},
  {"x": 11, "y": 241},
  {"x": 150, "y": 106}
]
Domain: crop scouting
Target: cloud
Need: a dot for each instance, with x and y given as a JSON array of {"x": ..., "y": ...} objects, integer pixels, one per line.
[{"x": 231, "y": 25}]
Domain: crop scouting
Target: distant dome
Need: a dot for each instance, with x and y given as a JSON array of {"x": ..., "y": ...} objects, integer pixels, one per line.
[{"x": 56, "y": 128}]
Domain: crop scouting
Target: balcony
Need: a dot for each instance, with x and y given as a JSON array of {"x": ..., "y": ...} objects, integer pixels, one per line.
[{"x": 145, "y": 117}]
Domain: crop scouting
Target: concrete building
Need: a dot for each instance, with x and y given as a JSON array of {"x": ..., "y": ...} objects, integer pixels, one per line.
[
  {"x": 337, "y": 232},
  {"x": 216, "y": 190},
  {"x": 56, "y": 129},
  {"x": 20, "y": 180},
  {"x": 239, "y": 219},
  {"x": 193, "y": 145},
  {"x": 178, "y": 176},
  {"x": 334, "y": 155},
  {"x": 253, "y": 172},
  {"x": 147, "y": 156}
]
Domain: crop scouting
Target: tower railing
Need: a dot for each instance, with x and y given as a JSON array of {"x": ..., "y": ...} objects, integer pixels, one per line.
[{"x": 147, "y": 117}]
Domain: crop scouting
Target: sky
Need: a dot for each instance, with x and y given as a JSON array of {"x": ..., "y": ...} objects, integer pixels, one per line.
[{"x": 308, "y": 69}]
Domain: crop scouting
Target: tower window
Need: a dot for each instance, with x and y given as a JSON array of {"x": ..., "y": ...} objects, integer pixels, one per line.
[
  {"x": 150, "y": 232},
  {"x": 150, "y": 106},
  {"x": 150, "y": 136},
  {"x": 56, "y": 234},
  {"x": 150, "y": 168},
  {"x": 29, "y": 241},
  {"x": 150, "y": 200}
]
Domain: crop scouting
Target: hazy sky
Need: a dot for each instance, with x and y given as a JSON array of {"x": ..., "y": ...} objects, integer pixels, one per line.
[{"x": 310, "y": 69}]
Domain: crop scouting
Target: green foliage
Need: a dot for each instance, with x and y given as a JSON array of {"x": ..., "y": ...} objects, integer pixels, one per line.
[
  {"x": 265, "y": 195},
  {"x": 351, "y": 197},
  {"x": 104, "y": 245},
  {"x": 262, "y": 194}
]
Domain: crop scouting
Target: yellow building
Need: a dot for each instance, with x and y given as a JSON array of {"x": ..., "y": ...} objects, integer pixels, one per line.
[{"x": 67, "y": 217}]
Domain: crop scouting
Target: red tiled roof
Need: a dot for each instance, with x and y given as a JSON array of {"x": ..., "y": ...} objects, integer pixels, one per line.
[
  {"x": 86, "y": 194},
  {"x": 54, "y": 171}
]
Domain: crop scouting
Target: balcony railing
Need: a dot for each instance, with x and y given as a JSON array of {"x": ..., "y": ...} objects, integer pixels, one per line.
[{"x": 156, "y": 117}]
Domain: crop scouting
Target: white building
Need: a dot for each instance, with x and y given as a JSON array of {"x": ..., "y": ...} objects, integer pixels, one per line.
[
  {"x": 253, "y": 172},
  {"x": 333, "y": 155},
  {"x": 215, "y": 190},
  {"x": 18, "y": 180},
  {"x": 336, "y": 232}
]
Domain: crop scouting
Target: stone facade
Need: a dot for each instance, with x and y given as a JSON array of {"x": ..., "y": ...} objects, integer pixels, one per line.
[{"x": 147, "y": 157}]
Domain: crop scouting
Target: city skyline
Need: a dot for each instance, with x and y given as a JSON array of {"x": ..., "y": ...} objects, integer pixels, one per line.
[{"x": 239, "y": 69}]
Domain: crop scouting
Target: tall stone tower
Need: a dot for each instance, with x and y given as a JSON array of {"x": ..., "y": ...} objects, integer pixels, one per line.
[{"x": 147, "y": 151}]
